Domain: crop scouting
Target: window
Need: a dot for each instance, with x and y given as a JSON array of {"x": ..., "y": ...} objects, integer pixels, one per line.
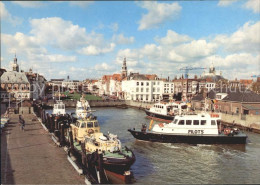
[
  {"x": 153, "y": 89},
  {"x": 196, "y": 122},
  {"x": 142, "y": 83},
  {"x": 137, "y": 89},
  {"x": 164, "y": 85},
  {"x": 175, "y": 121},
  {"x": 96, "y": 124},
  {"x": 83, "y": 125},
  {"x": 147, "y": 83},
  {"x": 203, "y": 122},
  {"x": 158, "y": 83},
  {"x": 147, "y": 89},
  {"x": 153, "y": 83},
  {"x": 142, "y": 89},
  {"x": 181, "y": 122},
  {"x": 188, "y": 122},
  {"x": 137, "y": 83},
  {"x": 90, "y": 124},
  {"x": 158, "y": 89},
  {"x": 213, "y": 122},
  {"x": 147, "y": 97}
]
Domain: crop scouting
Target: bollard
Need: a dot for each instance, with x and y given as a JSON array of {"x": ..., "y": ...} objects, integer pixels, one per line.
[
  {"x": 48, "y": 121},
  {"x": 62, "y": 137},
  {"x": 83, "y": 156},
  {"x": 103, "y": 179},
  {"x": 71, "y": 140}
]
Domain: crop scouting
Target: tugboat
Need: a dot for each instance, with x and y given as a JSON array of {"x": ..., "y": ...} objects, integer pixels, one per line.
[
  {"x": 163, "y": 111},
  {"x": 115, "y": 157},
  {"x": 201, "y": 128}
]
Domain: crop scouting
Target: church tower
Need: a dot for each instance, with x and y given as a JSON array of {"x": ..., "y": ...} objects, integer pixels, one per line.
[
  {"x": 124, "y": 69},
  {"x": 15, "y": 65}
]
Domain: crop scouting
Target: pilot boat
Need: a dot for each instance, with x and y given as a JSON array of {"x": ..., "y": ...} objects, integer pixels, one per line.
[
  {"x": 165, "y": 111},
  {"x": 201, "y": 128},
  {"x": 115, "y": 157}
]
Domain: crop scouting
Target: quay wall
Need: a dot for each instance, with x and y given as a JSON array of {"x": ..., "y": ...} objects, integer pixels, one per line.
[
  {"x": 139, "y": 104},
  {"x": 248, "y": 121}
]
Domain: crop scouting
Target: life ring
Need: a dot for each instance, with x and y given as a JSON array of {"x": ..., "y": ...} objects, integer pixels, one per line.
[
  {"x": 90, "y": 131},
  {"x": 161, "y": 125}
]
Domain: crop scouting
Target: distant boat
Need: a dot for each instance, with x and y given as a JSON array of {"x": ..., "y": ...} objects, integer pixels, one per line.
[
  {"x": 59, "y": 108},
  {"x": 202, "y": 128},
  {"x": 165, "y": 111}
]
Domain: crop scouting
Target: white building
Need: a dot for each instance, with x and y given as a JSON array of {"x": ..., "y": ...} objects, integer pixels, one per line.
[{"x": 139, "y": 87}]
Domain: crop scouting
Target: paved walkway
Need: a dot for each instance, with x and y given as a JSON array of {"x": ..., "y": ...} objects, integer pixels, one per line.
[{"x": 30, "y": 157}]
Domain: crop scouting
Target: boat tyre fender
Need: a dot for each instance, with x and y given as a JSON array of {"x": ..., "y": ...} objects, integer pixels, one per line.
[
  {"x": 90, "y": 131},
  {"x": 160, "y": 124}
]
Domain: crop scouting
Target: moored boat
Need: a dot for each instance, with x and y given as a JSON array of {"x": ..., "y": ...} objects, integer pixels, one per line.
[
  {"x": 201, "y": 128},
  {"x": 115, "y": 157},
  {"x": 82, "y": 108},
  {"x": 59, "y": 108},
  {"x": 165, "y": 111}
]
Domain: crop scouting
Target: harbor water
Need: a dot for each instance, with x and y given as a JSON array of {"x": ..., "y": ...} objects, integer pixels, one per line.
[{"x": 159, "y": 163}]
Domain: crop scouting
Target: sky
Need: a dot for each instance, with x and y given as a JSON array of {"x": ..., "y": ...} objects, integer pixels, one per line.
[{"x": 88, "y": 39}]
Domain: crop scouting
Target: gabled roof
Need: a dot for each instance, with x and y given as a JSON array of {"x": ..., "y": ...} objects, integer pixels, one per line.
[
  {"x": 14, "y": 77},
  {"x": 151, "y": 76}
]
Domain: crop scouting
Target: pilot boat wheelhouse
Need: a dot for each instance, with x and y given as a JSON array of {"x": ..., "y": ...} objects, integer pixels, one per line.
[
  {"x": 115, "y": 157},
  {"x": 165, "y": 111},
  {"x": 193, "y": 129}
]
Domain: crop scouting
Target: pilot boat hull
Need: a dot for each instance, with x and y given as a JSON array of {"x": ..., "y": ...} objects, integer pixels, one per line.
[
  {"x": 158, "y": 116},
  {"x": 189, "y": 139}
]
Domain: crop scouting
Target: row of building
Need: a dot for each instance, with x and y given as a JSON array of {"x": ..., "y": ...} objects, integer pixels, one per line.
[
  {"x": 17, "y": 85},
  {"x": 149, "y": 87}
]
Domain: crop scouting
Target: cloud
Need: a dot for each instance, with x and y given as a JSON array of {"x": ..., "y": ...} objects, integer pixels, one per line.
[
  {"x": 65, "y": 35},
  {"x": 226, "y": 2},
  {"x": 29, "y": 4},
  {"x": 158, "y": 13},
  {"x": 82, "y": 4},
  {"x": 253, "y": 5},
  {"x": 173, "y": 38},
  {"x": 6, "y": 16},
  {"x": 196, "y": 48},
  {"x": 121, "y": 39},
  {"x": 93, "y": 50},
  {"x": 245, "y": 39},
  {"x": 114, "y": 27},
  {"x": 104, "y": 67}
]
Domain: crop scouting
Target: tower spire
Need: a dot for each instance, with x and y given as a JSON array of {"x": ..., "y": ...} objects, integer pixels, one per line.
[{"x": 124, "y": 69}]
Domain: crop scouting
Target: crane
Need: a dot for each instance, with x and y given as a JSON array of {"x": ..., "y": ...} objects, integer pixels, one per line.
[{"x": 187, "y": 69}]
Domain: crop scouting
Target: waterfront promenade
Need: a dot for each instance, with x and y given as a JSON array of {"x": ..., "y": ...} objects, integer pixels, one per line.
[{"x": 31, "y": 157}]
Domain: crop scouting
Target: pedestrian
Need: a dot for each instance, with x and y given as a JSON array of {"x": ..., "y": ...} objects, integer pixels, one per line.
[{"x": 22, "y": 122}]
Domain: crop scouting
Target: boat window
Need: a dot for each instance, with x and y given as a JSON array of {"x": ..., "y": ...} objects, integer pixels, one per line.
[
  {"x": 96, "y": 124},
  {"x": 83, "y": 125},
  {"x": 90, "y": 124},
  {"x": 175, "y": 121},
  {"x": 188, "y": 122},
  {"x": 196, "y": 122},
  {"x": 181, "y": 122},
  {"x": 213, "y": 122},
  {"x": 203, "y": 122}
]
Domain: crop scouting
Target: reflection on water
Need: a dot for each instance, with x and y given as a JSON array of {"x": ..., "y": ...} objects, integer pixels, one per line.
[{"x": 160, "y": 163}]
